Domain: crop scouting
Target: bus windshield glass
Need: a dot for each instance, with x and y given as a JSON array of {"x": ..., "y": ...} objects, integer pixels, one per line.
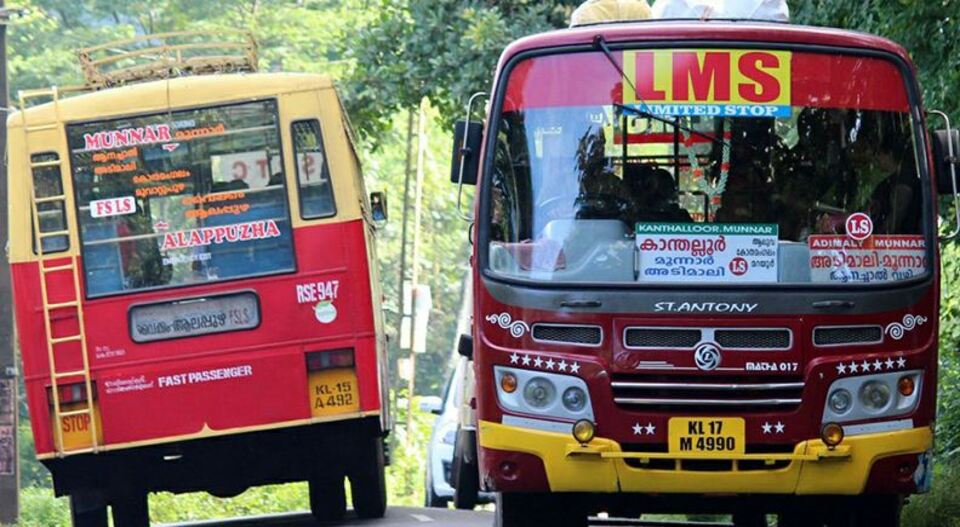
[
  {"x": 706, "y": 166},
  {"x": 181, "y": 198}
]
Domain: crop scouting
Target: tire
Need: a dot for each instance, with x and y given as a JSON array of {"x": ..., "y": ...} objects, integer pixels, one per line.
[
  {"x": 876, "y": 511},
  {"x": 131, "y": 511},
  {"x": 368, "y": 481},
  {"x": 87, "y": 512},
  {"x": 527, "y": 510},
  {"x": 466, "y": 475},
  {"x": 328, "y": 499}
]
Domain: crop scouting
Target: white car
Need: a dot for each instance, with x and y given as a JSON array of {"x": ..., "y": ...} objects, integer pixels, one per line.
[{"x": 449, "y": 434}]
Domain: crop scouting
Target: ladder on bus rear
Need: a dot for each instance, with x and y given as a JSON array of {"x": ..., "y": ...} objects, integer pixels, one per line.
[{"x": 49, "y": 264}]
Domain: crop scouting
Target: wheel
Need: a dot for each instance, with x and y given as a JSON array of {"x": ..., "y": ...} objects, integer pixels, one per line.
[
  {"x": 431, "y": 499},
  {"x": 525, "y": 510},
  {"x": 465, "y": 474},
  {"x": 131, "y": 511},
  {"x": 749, "y": 519},
  {"x": 876, "y": 511},
  {"x": 368, "y": 482},
  {"x": 86, "y": 512},
  {"x": 328, "y": 499}
]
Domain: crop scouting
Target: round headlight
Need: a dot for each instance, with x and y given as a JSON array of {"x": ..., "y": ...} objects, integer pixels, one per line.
[
  {"x": 840, "y": 401},
  {"x": 875, "y": 395},
  {"x": 574, "y": 399},
  {"x": 539, "y": 393}
]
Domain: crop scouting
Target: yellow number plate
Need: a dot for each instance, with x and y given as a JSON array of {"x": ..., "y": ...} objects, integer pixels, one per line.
[
  {"x": 334, "y": 392},
  {"x": 707, "y": 436}
]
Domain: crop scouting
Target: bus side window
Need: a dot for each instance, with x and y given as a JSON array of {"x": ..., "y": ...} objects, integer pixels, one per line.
[
  {"x": 313, "y": 174},
  {"x": 47, "y": 183}
]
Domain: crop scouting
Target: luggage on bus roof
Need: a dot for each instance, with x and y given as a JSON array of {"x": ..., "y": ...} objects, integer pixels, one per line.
[
  {"x": 599, "y": 11},
  {"x": 774, "y": 10}
]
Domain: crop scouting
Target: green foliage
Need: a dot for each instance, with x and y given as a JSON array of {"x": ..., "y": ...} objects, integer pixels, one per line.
[
  {"x": 441, "y": 49},
  {"x": 39, "y": 508},
  {"x": 939, "y": 508}
]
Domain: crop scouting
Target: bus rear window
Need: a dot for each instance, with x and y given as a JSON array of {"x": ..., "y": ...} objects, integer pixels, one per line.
[{"x": 181, "y": 198}]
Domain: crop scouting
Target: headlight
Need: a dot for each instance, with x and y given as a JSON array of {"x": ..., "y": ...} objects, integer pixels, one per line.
[
  {"x": 574, "y": 399},
  {"x": 539, "y": 393},
  {"x": 840, "y": 401},
  {"x": 875, "y": 396}
]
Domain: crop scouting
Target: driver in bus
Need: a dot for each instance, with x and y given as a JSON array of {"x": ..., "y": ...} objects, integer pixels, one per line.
[{"x": 653, "y": 194}]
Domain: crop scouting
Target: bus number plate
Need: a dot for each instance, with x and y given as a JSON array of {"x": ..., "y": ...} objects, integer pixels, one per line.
[
  {"x": 707, "y": 436},
  {"x": 334, "y": 392}
]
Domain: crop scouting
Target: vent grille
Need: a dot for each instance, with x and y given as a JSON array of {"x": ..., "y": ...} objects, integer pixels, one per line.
[
  {"x": 838, "y": 335},
  {"x": 753, "y": 338},
  {"x": 662, "y": 338},
  {"x": 567, "y": 334}
]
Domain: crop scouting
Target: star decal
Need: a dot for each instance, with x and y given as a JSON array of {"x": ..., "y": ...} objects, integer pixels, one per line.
[
  {"x": 514, "y": 358},
  {"x": 575, "y": 367},
  {"x": 901, "y": 362},
  {"x": 841, "y": 368},
  {"x": 637, "y": 429},
  {"x": 538, "y": 362},
  {"x": 544, "y": 363},
  {"x": 854, "y": 367},
  {"x": 651, "y": 429},
  {"x": 767, "y": 428},
  {"x": 550, "y": 364},
  {"x": 877, "y": 365},
  {"x": 562, "y": 365},
  {"x": 780, "y": 427},
  {"x": 866, "y": 366},
  {"x": 889, "y": 363}
]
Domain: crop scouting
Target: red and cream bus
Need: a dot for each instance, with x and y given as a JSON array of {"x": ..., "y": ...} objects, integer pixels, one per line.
[{"x": 196, "y": 292}]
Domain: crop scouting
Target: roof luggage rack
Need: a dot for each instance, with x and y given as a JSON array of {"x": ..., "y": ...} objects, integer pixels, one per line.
[{"x": 167, "y": 55}]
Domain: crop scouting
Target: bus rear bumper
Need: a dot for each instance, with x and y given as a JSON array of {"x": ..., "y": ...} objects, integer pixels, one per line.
[{"x": 522, "y": 460}]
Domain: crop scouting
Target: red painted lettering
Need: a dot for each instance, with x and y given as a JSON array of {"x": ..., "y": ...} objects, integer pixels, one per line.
[
  {"x": 715, "y": 72},
  {"x": 645, "y": 74},
  {"x": 765, "y": 88}
]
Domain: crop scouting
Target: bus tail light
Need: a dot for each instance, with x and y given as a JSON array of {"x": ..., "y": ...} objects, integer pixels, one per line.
[
  {"x": 71, "y": 393},
  {"x": 331, "y": 359}
]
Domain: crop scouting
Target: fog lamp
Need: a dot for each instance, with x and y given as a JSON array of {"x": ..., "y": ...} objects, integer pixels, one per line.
[
  {"x": 906, "y": 386},
  {"x": 583, "y": 431},
  {"x": 832, "y": 434},
  {"x": 508, "y": 382}
]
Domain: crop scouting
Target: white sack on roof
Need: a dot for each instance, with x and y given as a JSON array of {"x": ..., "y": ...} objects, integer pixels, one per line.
[
  {"x": 599, "y": 11},
  {"x": 776, "y": 10}
]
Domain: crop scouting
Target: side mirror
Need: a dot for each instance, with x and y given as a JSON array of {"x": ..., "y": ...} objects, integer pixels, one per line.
[
  {"x": 431, "y": 404},
  {"x": 945, "y": 164},
  {"x": 465, "y": 346},
  {"x": 467, "y": 141},
  {"x": 378, "y": 206}
]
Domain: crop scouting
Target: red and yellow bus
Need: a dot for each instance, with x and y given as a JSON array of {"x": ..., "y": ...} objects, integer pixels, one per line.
[
  {"x": 196, "y": 292},
  {"x": 706, "y": 275}
]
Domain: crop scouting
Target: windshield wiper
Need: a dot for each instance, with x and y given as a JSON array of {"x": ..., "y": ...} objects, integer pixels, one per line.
[{"x": 601, "y": 43}]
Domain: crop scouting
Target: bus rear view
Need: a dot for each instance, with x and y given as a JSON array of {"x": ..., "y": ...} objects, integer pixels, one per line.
[
  {"x": 194, "y": 276},
  {"x": 706, "y": 275}
]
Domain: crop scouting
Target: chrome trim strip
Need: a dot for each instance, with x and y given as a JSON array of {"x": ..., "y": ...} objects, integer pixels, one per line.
[
  {"x": 566, "y": 342},
  {"x": 706, "y": 386},
  {"x": 857, "y": 343},
  {"x": 705, "y": 402}
]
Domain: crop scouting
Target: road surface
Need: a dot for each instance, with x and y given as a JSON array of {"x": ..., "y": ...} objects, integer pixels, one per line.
[
  {"x": 409, "y": 517},
  {"x": 396, "y": 517}
]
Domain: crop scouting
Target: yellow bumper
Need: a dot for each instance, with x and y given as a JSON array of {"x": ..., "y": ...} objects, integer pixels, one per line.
[{"x": 602, "y": 466}]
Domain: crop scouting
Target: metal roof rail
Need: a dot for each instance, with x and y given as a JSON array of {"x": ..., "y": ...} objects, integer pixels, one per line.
[{"x": 167, "y": 55}]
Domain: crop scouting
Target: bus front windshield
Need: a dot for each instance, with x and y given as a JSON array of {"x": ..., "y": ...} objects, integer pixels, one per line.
[{"x": 706, "y": 166}]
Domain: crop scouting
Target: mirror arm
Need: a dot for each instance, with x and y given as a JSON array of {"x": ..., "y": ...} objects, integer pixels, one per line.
[
  {"x": 463, "y": 156},
  {"x": 952, "y": 161}
]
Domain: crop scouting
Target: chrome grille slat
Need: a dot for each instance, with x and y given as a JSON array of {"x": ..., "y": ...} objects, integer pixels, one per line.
[
  {"x": 706, "y": 386},
  {"x": 705, "y": 402}
]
